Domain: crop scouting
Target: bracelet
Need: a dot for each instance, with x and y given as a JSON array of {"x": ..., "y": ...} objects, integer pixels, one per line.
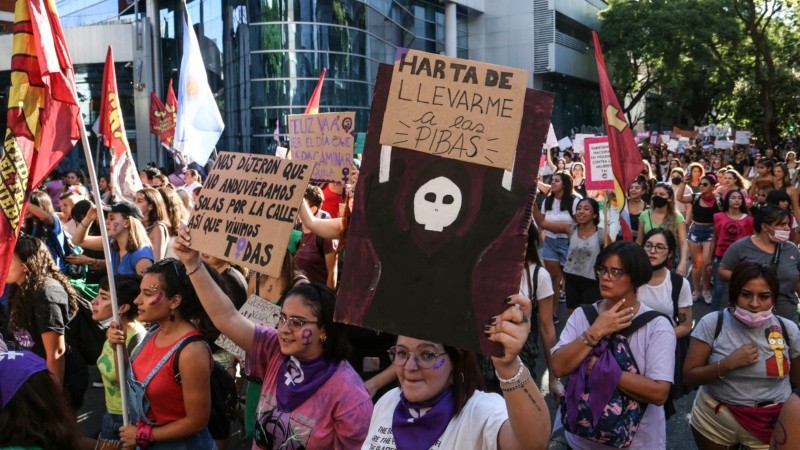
[
  {"x": 518, "y": 385},
  {"x": 516, "y": 377},
  {"x": 719, "y": 373},
  {"x": 84, "y": 226},
  {"x": 589, "y": 340},
  {"x": 144, "y": 434},
  {"x": 192, "y": 272}
]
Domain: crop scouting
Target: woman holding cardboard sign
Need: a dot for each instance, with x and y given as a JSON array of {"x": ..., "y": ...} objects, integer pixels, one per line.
[
  {"x": 311, "y": 397},
  {"x": 439, "y": 399}
]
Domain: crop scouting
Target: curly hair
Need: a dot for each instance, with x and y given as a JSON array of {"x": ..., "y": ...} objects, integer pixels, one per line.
[{"x": 37, "y": 259}]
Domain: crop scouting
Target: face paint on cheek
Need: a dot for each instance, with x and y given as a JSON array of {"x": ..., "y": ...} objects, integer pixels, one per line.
[
  {"x": 158, "y": 299},
  {"x": 438, "y": 364},
  {"x": 114, "y": 226},
  {"x": 306, "y": 335}
]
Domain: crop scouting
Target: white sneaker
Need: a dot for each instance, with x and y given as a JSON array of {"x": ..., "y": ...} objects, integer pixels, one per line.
[
  {"x": 695, "y": 296},
  {"x": 707, "y": 297}
]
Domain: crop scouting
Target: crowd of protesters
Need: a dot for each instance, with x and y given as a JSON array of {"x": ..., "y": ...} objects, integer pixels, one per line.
[{"x": 717, "y": 226}]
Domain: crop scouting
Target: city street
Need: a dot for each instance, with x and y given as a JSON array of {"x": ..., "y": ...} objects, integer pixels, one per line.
[{"x": 679, "y": 436}]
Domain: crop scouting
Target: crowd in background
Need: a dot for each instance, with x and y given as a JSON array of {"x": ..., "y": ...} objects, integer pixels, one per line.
[{"x": 718, "y": 226}]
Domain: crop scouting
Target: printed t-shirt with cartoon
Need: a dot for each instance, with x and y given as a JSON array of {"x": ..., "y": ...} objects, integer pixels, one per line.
[
  {"x": 475, "y": 428},
  {"x": 768, "y": 379},
  {"x": 653, "y": 348},
  {"x": 336, "y": 416}
]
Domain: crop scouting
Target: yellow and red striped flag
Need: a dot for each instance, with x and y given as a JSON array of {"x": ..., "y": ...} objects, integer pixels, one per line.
[{"x": 43, "y": 114}]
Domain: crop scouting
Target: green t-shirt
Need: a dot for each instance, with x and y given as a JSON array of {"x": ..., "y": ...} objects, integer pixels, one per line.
[
  {"x": 105, "y": 364},
  {"x": 647, "y": 222}
]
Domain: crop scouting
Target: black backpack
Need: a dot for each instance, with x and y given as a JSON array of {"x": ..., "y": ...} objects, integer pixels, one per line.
[
  {"x": 84, "y": 334},
  {"x": 224, "y": 398}
]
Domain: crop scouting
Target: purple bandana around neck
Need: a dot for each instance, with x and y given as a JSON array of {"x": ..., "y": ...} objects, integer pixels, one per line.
[
  {"x": 603, "y": 381},
  {"x": 300, "y": 379},
  {"x": 417, "y": 426}
]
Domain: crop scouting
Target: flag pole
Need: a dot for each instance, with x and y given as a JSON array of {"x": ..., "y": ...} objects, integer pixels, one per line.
[{"x": 112, "y": 286}]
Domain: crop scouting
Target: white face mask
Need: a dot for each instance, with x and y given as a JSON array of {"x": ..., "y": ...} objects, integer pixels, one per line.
[{"x": 779, "y": 236}]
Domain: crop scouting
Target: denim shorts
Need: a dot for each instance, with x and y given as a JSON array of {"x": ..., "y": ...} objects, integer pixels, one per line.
[
  {"x": 700, "y": 234},
  {"x": 556, "y": 249},
  {"x": 109, "y": 429}
]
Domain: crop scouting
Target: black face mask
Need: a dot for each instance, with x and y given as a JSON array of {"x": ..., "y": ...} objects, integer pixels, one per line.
[
  {"x": 676, "y": 180},
  {"x": 659, "y": 202},
  {"x": 661, "y": 265}
]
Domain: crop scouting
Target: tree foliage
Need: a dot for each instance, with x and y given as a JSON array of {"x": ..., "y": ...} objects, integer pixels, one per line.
[{"x": 706, "y": 61}]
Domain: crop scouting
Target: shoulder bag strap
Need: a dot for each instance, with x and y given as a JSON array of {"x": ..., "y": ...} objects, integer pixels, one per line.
[{"x": 163, "y": 361}]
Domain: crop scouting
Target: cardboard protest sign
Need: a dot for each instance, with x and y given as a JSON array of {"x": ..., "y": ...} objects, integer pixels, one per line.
[
  {"x": 723, "y": 145},
  {"x": 578, "y": 143},
  {"x": 256, "y": 310},
  {"x": 564, "y": 143},
  {"x": 247, "y": 207},
  {"x": 326, "y": 139},
  {"x": 435, "y": 244},
  {"x": 742, "y": 137},
  {"x": 672, "y": 145},
  {"x": 665, "y": 138},
  {"x": 455, "y": 108},
  {"x": 690, "y": 134},
  {"x": 599, "y": 174},
  {"x": 654, "y": 138}
]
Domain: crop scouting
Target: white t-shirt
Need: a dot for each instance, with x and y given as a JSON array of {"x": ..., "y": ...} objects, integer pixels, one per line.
[
  {"x": 475, "y": 428},
  {"x": 556, "y": 215},
  {"x": 660, "y": 297},
  {"x": 544, "y": 284},
  {"x": 653, "y": 348}
]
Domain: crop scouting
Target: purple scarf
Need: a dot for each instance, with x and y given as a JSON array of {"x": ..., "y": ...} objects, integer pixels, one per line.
[
  {"x": 417, "y": 426},
  {"x": 300, "y": 379},
  {"x": 603, "y": 381}
]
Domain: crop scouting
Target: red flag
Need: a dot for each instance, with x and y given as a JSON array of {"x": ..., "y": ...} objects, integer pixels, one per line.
[
  {"x": 171, "y": 117},
  {"x": 124, "y": 176},
  {"x": 157, "y": 114},
  {"x": 313, "y": 104},
  {"x": 626, "y": 160},
  {"x": 43, "y": 114}
]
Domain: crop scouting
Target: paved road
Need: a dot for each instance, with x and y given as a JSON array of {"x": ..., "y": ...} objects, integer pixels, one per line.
[{"x": 679, "y": 437}]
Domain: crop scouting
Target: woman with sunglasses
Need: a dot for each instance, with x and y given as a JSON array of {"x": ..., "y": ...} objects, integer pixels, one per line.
[
  {"x": 439, "y": 398},
  {"x": 630, "y": 384},
  {"x": 311, "y": 397},
  {"x": 745, "y": 360},
  {"x": 178, "y": 412}
]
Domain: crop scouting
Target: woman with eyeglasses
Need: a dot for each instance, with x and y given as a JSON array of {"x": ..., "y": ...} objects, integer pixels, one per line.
[
  {"x": 311, "y": 397},
  {"x": 746, "y": 361},
  {"x": 662, "y": 214},
  {"x": 624, "y": 351},
  {"x": 769, "y": 246},
  {"x": 440, "y": 404},
  {"x": 179, "y": 407},
  {"x": 701, "y": 234}
]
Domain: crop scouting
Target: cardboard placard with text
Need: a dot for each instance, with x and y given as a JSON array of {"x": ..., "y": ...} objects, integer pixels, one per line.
[
  {"x": 256, "y": 310},
  {"x": 599, "y": 174},
  {"x": 247, "y": 208},
  {"x": 455, "y": 108},
  {"x": 327, "y": 140},
  {"x": 435, "y": 244},
  {"x": 577, "y": 143}
]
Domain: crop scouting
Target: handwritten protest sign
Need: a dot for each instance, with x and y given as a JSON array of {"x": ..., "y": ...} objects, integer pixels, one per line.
[
  {"x": 326, "y": 139},
  {"x": 435, "y": 243},
  {"x": 256, "y": 310},
  {"x": 742, "y": 137},
  {"x": 455, "y": 108},
  {"x": 599, "y": 174},
  {"x": 247, "y": 208}
]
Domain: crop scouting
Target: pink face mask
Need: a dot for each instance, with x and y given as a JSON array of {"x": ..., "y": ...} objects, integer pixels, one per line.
[
  {"x": 751, "y": 319},
  {"x": 780, "y": 236}
]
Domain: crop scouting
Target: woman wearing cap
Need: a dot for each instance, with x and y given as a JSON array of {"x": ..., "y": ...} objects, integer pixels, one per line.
[
  {"x": 33, "y": 413},
  {"x": 131, "y": 252},
  {"x": 41, "y": 302}
]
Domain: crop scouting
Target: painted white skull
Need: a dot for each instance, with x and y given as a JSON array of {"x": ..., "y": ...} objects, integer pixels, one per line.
[{"x": 437, "y": 204}]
